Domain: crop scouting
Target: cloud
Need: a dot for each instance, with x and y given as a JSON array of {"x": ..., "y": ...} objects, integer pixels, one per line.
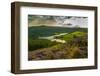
[{"x": 63, "y": 21}]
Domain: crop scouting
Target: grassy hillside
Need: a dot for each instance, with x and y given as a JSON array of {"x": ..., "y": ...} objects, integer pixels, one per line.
[
  {"x": 71, "y": 36},
  {"x": 41, "y": 49},
  {"x": 75, "y": 48},
  {"x": 37, "y": 31}
]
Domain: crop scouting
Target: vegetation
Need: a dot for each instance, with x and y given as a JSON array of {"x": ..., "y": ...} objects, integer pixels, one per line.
[
  {"x": 42, "y": 49},
  {"x": 34, "y": 44},
  {"x": 71, "y": 36},
  {"x": 41, "y": 31},
  {"x": 75, "y": 48}
]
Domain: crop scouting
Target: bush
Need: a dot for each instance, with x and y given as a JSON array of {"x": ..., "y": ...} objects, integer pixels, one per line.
[{"x": 34, "y": 44}]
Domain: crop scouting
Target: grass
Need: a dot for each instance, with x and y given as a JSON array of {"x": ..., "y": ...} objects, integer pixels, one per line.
[
  {"x": 34, "y": 44},
  {"x": 39, "y": 31},
  {"x": 71, "y": 36},
  {"x": 68, "y": 50},
  {"x": 43, "y": 49}
]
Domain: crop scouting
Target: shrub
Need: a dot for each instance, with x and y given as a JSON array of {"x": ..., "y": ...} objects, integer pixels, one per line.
[{"x": 34, "y": 44}]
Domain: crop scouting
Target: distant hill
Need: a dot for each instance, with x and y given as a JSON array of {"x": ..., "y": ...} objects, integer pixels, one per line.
[{"x": 39, "y": 31}]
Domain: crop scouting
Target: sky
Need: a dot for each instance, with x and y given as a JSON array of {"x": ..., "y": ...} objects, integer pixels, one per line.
[{"x": 61, "y": 21}]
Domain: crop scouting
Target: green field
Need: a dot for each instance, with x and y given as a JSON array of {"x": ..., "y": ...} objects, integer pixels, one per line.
[
  {"x": 75, "y": 45},
  {"x": 36, "y": 31}
]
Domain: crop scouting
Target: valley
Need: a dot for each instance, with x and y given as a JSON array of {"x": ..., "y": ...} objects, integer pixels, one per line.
[{"x": 46, "y": 42}]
